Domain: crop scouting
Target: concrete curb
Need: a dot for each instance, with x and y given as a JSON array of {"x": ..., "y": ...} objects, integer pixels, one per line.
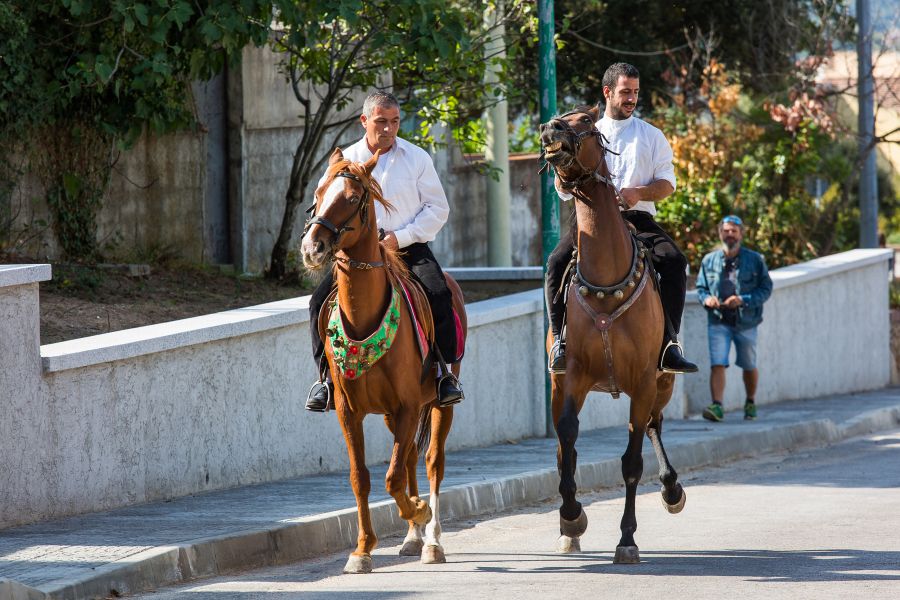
[{"x": 331, "y": 532}]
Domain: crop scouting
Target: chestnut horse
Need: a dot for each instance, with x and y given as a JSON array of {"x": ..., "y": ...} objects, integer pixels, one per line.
[
  {"x": 369, "y": 281},
  {"x": 614, "y": 329}
]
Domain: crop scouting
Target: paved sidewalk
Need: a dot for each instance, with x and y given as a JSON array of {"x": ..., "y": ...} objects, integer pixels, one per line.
[{"x": 151, "y": 545}]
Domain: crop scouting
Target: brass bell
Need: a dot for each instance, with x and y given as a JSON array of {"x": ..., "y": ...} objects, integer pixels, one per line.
[
  {"x": 601, "y": 295},
  {"x": 337, "y": 342},
  {"x": 638, "y": 275},
  {"x": 619, "y": 294},
  {"x": 329, "y": 332},
  {"x": 583, "y": 291},
  {"x": 631, "y": 283}
]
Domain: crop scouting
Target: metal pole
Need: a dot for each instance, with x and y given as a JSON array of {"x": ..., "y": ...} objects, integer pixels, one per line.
[
  {"x": 549, "y": 199},
  {"x": 496, "y": 152},
  {"x": 868, "y": 181}
]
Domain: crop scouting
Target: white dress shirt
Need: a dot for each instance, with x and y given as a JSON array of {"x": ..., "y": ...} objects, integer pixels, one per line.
[
  {"x": 411, "y": 185},
  {"x": 644, "y": 156}
]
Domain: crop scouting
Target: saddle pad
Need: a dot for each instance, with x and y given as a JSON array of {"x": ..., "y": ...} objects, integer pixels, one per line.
[{"x": 421, "y": 338}]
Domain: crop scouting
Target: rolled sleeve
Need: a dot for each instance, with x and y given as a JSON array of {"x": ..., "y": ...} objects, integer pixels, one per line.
[{"x": 434, "y": 207}]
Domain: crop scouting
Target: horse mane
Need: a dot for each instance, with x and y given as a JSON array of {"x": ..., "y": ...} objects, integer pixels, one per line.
[{"x": 369, "y": 182}]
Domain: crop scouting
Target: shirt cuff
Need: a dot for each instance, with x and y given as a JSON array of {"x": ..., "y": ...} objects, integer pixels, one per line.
[{"x": 404, "y": 238}]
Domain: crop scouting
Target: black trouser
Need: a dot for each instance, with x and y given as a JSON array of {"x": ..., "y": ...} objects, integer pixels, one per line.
[
  {"x": 668, "y": 261},
  {"x": 426, "y": 271}
]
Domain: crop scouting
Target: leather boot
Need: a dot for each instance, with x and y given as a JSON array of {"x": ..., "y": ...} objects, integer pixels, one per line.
[
  {"x": 321, "y": 396},
  {"x": 449, "y": 391},
  {"x": 673, "y": 361},
  {"x": 556, "y": 362}
]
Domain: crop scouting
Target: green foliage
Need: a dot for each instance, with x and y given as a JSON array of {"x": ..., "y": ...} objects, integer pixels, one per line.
[
  {"x": 731, "y": 157},
  {"x": 433, "y": 53},
  {"x": 80, "y": 76}
]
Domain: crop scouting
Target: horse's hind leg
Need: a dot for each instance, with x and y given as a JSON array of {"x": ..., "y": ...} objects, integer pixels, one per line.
[
  {"x": 441, "y": 419},
  {"x": 565, "y": 407},
  {"x": 360, "y": 561},
  {"x": 412, "y": 543},
  {"x": 673, "y": 495},
  {"x": 632, "y": 470}
]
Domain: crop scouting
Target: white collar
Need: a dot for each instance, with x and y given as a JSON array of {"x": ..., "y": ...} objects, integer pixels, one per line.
[{"x": 616, "y": 125}]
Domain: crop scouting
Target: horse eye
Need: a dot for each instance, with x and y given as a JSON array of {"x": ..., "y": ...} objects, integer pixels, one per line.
[
  {"x": 586, "y": 119},
  {"x": 354, "y": 199}
]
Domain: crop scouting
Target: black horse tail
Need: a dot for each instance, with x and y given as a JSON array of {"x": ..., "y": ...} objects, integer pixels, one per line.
[{"x": 423, "y": 431}]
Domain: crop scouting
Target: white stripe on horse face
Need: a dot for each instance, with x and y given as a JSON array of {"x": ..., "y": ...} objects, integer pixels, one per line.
[{"x": 334, "y": 189}]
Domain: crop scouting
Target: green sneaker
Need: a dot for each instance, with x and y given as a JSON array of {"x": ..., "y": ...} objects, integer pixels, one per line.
[
  {"x": 713, "y": 412},
  {"x": 750, "y": 411}
]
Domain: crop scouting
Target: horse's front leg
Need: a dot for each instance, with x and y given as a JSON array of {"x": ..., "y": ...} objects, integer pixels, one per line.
[
  {"x": 360, "y": 561},
  {"x": 413, "y": 542},
  {"x": 673, "y": 494},
  {"x": 633, "y": 469},
  {"x": 411, "y": 508},
  {"x": 566, "y": 402}
]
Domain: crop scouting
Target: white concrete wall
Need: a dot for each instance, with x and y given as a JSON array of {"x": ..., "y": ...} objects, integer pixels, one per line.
[{"x": 217, "y": 401}]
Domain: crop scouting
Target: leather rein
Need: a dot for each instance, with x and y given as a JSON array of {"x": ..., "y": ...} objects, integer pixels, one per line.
[{"x": 362, "y": 210}]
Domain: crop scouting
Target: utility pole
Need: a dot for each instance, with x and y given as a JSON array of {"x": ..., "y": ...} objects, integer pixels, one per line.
[
  {"x": 868, "y": 181},
  {"x": 549, "y": 199},
  {"x": 496, "y": 153}
]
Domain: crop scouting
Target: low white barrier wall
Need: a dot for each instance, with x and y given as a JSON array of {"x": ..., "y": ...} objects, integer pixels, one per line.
[{"x": 217, "y": 401}]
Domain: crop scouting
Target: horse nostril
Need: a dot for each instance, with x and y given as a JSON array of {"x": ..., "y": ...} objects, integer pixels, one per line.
[
  {"x": 557, "y": 125},
  {"x": 319, "y": 247}
]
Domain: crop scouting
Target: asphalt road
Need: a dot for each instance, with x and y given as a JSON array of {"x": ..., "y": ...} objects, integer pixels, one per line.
[{"x": 813, "y": 524}]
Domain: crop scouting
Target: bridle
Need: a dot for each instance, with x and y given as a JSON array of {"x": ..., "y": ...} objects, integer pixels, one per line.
[
  {"x": 362, "y": 210},
  {"x": 577, "y": 139}
]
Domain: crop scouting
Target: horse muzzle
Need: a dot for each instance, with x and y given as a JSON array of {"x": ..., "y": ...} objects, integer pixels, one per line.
[
  {"x": 316, "y": 252},
  {"x": 557, "y": 146}
]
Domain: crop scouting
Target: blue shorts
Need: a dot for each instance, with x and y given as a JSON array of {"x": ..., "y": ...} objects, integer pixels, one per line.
[{"x": 720, "y": 339}]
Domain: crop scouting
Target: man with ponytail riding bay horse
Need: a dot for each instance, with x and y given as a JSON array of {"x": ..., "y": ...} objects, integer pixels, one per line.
[
  {"x": 640, "y": 162},
  {"x": 409, "y": 181}
]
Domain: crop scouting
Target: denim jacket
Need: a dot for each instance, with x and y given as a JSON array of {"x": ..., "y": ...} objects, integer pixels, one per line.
[{"x": 754, "y": 285}]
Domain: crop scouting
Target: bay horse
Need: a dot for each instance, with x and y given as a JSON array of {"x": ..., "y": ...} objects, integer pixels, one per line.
[
  {"x": 386, "y": 376},
  {"x": 614, "y": 324}
]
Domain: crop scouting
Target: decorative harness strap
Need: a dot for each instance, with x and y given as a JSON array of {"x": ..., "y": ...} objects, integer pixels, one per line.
[
  {"x": 603, "y": 321},
  {"x": 353, "y": 358}
]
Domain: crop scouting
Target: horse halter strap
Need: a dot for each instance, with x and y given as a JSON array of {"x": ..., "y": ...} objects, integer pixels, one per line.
[
  {"x": 578, "y": 139},
  {"x": 361, "y": 209}
]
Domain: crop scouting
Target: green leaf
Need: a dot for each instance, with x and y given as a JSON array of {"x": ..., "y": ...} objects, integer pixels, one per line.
[{"x": 141, "y": 14}]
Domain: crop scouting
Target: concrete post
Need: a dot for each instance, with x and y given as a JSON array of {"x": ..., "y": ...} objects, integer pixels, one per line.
[
  {"x": 496, "y": 152},
  {"x": 21, "y": 431},
  {"x": 868, "y": 178}
]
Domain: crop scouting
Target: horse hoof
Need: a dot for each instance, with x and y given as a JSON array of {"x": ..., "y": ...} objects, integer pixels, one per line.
[
  {"x": 573, "y": 528},
  {"x": 568, "y": 545},
  {"x": 433, "y": 555},
  {"x": 423, "y": 511},
  {"x": 358, "y": 564},
  {"x": 411, "y": 548},
  {"x": 627, "y": 555},
  {"x": 678, "y": 506}
]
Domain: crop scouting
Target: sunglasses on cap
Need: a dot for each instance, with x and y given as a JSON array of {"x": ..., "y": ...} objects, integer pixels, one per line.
[{"x": 734, "y": 220}]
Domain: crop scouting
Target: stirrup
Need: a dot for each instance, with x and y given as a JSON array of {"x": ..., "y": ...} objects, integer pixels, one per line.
[
  {"x": 557, "y": 349},
  {"x": 454, "y": 398},
  {"x": 329, "y": 399}
]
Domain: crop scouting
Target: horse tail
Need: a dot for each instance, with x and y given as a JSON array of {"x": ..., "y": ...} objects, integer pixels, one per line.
[{"x": 423, "y": 431}]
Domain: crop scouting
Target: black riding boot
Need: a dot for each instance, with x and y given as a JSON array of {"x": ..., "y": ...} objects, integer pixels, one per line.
[
  {"x": 672, "y": 360},
  {"x": 321, "y": 395}
]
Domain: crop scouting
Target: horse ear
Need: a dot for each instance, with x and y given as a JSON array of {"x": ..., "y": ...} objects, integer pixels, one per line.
[
  {"x": 336, "y": 156},
  {"x": 370, "y": 164},
  {"x": 595, "y": 112}
]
